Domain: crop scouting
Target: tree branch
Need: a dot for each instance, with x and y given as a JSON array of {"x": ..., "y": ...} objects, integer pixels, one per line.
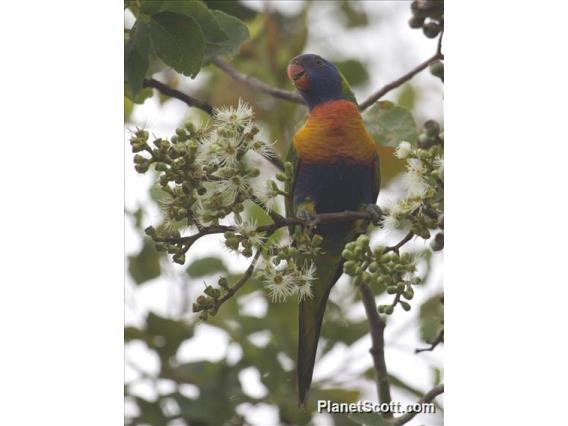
[
  {"x": 402, "y": 242},
  {"x": 237, "y": 286},
  {"x": 399, "y": 81},
  {"x": 439, "y": 339},
  {"x": 428, "y": 397},
  {"x": 278, "y": 222},
  {"x": 204, "y": 106},
  {"x": 256, "y": 84},
  {"x": 169, "y": 91},
  {"x": 377, "y": 325}
]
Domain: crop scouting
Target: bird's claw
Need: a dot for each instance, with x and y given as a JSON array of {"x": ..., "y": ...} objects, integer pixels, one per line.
[
  {"x": 376, "y": 214},
  {"x": 308, "y": 218}
]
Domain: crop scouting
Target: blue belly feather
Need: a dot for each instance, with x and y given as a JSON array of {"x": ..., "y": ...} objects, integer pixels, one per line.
[{"x": 335, "y": 187}]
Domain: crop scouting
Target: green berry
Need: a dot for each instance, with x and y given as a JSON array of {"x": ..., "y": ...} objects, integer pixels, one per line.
[
  {"x": 346, "y": 254},
  {"x": 408, "y": 294}
]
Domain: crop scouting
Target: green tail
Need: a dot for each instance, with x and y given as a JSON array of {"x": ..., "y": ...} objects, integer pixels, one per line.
[{"x": 329, "y": 267}]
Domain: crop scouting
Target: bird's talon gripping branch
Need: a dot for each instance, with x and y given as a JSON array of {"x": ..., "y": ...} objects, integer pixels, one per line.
[
  {"x": 377, "y": 215},
  {"x": 310, "y": 220}
]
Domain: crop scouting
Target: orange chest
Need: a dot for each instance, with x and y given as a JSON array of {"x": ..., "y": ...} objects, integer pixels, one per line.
[{"x": 335, "y": 131}]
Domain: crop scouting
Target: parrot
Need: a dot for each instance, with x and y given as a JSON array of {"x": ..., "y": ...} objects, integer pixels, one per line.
[{"x": 336, "y": 168}]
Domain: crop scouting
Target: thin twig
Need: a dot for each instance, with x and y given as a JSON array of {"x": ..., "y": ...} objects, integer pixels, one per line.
[
  {"x": 377, "y": 325},
  {"x": 237, "y": 286},
  {"x": 428, "y": 397},
  {"x": 402, "y": 242},
  {"x": 169, "y": 91},
  {"x": 398, "y": 82},
  {"x": 205, "y": 106},
  {"x": 439, "y": 49},
  {"x": 279, "y": 222},
  {"x": 256, "y": 83},
  {"x": 439, "y": 339}
]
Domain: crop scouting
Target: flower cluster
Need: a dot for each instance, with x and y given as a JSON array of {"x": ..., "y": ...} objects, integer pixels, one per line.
[
  {"x": 208, "y": 303},
  {"x": 390, "y": 271},
  {"x": 290, "y": 270},
  {"x": 421, "y": 209},
  {"x": 205, "y": 174}
]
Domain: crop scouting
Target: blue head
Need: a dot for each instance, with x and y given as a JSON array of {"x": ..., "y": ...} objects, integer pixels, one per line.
[{"x": 316, "y": 79}]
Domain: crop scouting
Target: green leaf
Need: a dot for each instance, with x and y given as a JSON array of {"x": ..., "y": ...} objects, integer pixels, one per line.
[
  {"x": 150, "y": 413},
  {"x": 431, "y": 318},
  {"x": 390, "y": 124},
  {"x": 141, "y": 97},
  {"x": 166, "y": 334},
  {"x": 136, "y": 60},
  {"x": 178, "y": 41},
  {"x": 206, "y": 266},
  {"x": 354, "y": 17},
  {"x": 354, "y": 71},
  {"x": 145, "y": 265},
  {"x": 193, "y": 9},
  {"x": 237, "y": 31},
  {"x": 407, "y": 97},
  {"x": 346, "y": 332},
  {"x": 133, "y": 333},
  {"x": 233, "y": 8}
]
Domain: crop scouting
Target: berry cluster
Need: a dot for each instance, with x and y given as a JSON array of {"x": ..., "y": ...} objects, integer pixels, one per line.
[
  {"x": 428, "y": 15},
  {"x": 390, "y": 271}
]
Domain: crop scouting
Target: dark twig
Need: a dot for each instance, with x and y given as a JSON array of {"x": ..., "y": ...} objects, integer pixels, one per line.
[
  {"x": 169, "y": 91},
  {"x": 237, "y": 286},
  {"x": 256, "y": 83},
  {"x": 439, "y": 49},
  {"x": 279, "y": 222},
  {"x": 439, "y": 339},
  {"x": 402, "y": 242},
  {"x": 377, "y": 325},
  {"x": 197, "y": 103},
  {"x": 399, "y": 81},
  {"x": 428, "y": 397}
]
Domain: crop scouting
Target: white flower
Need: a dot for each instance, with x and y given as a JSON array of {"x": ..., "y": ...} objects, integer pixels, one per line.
[
  {"x": 248, "y": 230},
  {"x": 232, "y": 186},
  {"x": 393, "y": 219},
  {"x": 415, "y": 166},
  {"x": 228, "y": 151},
  {"x": 268, "y": 196},
  {"x": 404, "y": 148},
  {"x": 280, "y": 285},
  {"x": 242, "y": 115},
  {"x": 417, "y": 186},
  {"x": 262, "y": 148},
  {"x": 307, "y": 276}
]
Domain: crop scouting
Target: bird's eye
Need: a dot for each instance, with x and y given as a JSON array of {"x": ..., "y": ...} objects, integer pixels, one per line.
[{"x": 319, "y": 61}]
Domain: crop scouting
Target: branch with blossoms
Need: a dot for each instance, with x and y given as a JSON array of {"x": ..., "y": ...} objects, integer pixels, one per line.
[{"x": 208, "y": 175}]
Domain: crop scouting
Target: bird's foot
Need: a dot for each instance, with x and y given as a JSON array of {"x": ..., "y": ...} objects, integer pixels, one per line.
[
  {"x": 309, "y": 219},
  {"x": 377, "y": 215}
]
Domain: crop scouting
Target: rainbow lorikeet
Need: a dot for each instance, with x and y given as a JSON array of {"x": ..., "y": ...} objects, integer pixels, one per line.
[{"x": 336, "y": 169}]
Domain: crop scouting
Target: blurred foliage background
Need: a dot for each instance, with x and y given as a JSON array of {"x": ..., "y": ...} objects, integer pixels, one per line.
[{"x": 238, "y": 367}]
